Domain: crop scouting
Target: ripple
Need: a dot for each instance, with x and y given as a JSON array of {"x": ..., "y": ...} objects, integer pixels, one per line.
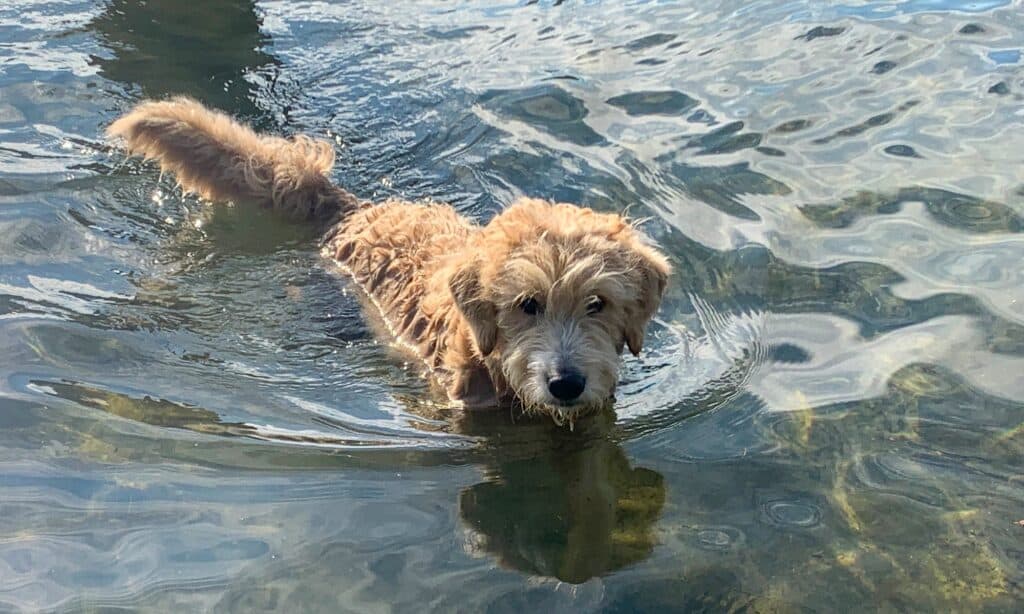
[
  {"x": 873, "y": 122},
  {"x": 1000, "y": 89},
  {"x": 791, "y": 514},
  {"x": 880, "y": 68},
  {"x": 973, "y": 211},
  {"x": 794, "y": 125},
  {"x": 345, "y": 432},
  {"x": 685, "y": 374},
  {"x": 820, "y": 32},
  {"x": 718, "y": 538},
  {"x": 653, "y": 103},
  {"x": 651, "y": 40},
  {"x": 902, "y": 151},
  {"x": 196, "y": 417},
  {"x": 548, "y": 108}
]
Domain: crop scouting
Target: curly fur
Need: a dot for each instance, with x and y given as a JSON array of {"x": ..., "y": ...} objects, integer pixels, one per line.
[
  {"x": 449, "y": 289},
  {"x": 220, "y": 159}
]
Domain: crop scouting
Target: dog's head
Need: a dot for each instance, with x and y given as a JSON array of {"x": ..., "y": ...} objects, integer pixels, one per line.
[{"x": 552, "y": 294}]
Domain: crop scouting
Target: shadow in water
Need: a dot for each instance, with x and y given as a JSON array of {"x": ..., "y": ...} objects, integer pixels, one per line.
[
  {"x": 210, "y": 50},
  {"x": 561, "y": 504}
]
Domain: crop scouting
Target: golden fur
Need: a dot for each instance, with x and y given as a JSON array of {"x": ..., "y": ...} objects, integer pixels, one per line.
[{"x": 497, "y": 312}]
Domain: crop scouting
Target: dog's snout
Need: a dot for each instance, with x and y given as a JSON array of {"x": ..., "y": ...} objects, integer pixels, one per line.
[{"x": 567, "y": 385}]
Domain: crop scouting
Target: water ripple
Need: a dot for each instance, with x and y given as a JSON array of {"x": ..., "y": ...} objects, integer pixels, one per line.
[{"x": 196, "y": 417}]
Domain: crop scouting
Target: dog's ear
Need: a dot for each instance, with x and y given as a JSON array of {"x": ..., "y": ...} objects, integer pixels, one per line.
[
  {"x": 654, "y": 271},
  {"x": 480, "y": 313}
]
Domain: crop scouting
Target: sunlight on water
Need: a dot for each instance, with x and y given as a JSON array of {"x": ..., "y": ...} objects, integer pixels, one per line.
[{"x": 195, "y": 416}]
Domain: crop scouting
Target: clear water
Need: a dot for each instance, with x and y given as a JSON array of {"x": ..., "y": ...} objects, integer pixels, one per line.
[{"x": 194, "y": 415}]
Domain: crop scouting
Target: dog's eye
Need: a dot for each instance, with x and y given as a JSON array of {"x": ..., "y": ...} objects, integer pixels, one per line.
[
  {"x": 531, "y": 306},
  {"x": 594, "y": 305}
]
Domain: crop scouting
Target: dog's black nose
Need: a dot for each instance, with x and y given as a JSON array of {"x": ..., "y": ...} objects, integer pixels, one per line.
[{"x": 567, "y": 386}]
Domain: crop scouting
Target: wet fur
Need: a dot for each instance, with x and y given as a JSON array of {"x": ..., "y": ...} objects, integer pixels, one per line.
[{"x": 448, "y": 289}]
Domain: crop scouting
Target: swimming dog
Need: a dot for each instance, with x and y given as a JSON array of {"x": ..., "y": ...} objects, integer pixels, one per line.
[{"x": 535, "y": 307}]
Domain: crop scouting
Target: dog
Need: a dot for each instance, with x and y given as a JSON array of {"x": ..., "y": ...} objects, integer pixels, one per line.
[{"x": 534, "y": 308}]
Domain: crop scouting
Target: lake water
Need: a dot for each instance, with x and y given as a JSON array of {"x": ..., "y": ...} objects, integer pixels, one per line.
[{"x": 194, "y": 415}]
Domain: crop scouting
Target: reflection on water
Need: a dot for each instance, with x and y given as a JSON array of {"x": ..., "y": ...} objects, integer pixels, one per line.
[
  {"x": 195, "y": 416},
  {"x": 588, "y": 514},
  {"x": 571, "y": 508},
  {"x": 213, "y": 51}
]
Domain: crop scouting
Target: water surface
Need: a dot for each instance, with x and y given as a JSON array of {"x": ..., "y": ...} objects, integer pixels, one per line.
[{"x": 195, "y": 416}]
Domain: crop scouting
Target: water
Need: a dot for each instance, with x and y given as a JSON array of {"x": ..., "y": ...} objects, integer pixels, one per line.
[{"x": 194, "y": 415}]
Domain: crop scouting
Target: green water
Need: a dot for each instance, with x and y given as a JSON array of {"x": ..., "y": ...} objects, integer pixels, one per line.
[{"x": 194, "y": 415}]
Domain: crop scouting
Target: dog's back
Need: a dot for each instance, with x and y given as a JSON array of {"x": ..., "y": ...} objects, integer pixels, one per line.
[
  {"x": 397, "y": 252},
  {"x": 392, "y": 250}
]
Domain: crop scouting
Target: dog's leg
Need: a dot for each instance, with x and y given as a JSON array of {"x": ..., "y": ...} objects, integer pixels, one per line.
[{"x": 220, "y": 159}]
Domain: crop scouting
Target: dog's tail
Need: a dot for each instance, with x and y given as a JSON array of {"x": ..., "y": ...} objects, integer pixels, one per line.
[{"x": 220, "y": 159}]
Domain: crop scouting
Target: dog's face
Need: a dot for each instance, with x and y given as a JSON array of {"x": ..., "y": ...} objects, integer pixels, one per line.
[{"x": 553, "y": 296}]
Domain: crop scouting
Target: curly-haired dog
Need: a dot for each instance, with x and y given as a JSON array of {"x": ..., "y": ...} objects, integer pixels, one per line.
[{"x": 536, "y": 306}]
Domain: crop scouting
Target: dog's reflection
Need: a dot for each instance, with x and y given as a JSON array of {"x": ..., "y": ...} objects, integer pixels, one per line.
[
  {"x": 559, "y": 504},
  {"x": 211, "y": 50}
]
